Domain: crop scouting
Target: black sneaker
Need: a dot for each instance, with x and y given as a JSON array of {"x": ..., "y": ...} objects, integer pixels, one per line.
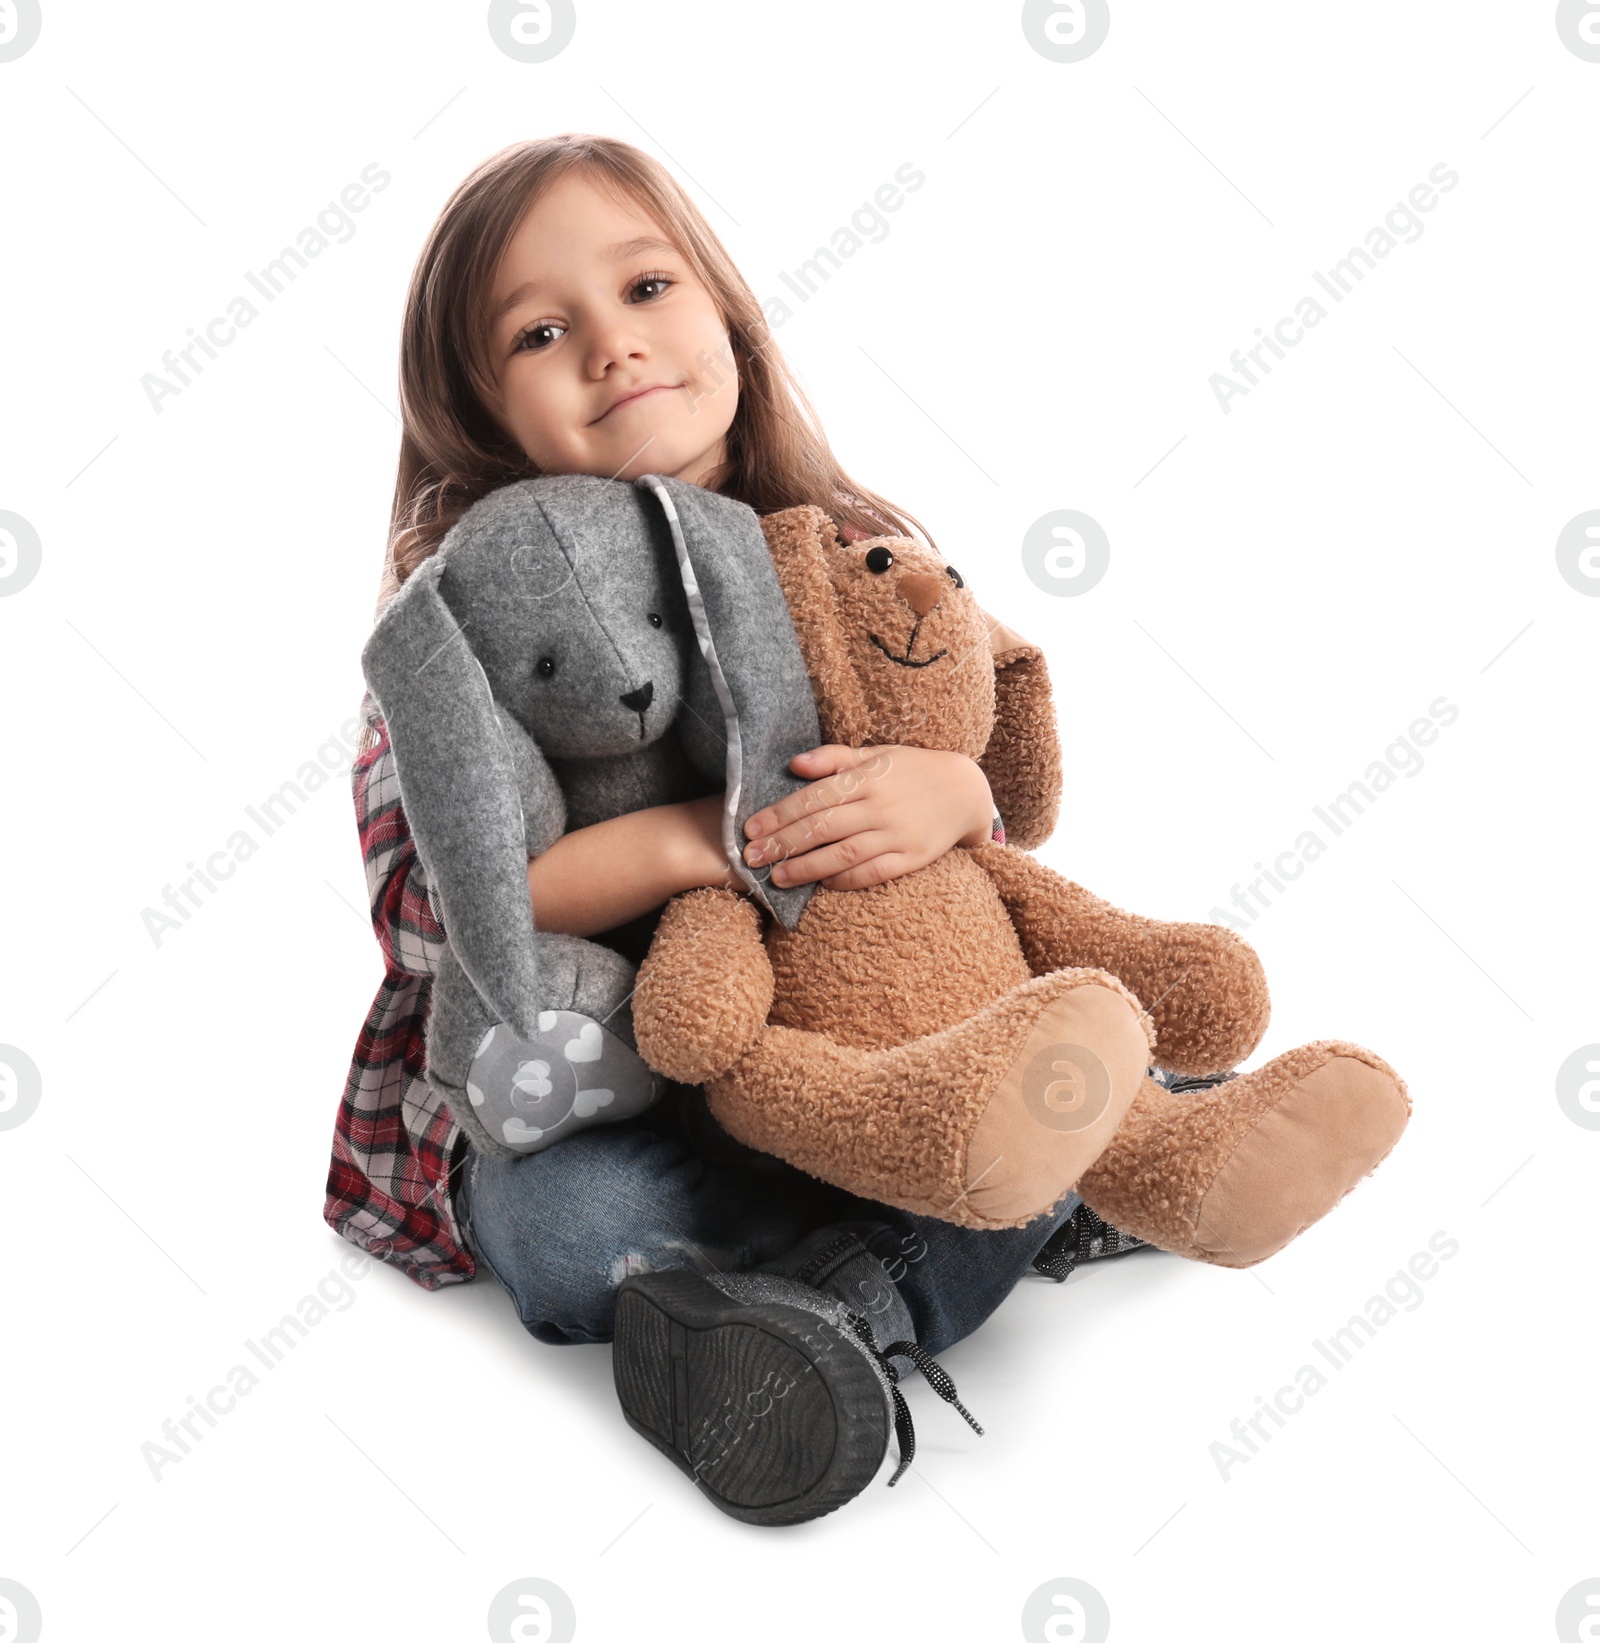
[{"x": 770, "y": 1394}]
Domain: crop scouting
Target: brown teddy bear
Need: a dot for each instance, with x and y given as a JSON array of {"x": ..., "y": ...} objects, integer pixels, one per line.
[{"x": 971, "y": 1041}]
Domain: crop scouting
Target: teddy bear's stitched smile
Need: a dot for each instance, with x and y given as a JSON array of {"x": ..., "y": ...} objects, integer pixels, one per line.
[{"x": 905, "y": 661}]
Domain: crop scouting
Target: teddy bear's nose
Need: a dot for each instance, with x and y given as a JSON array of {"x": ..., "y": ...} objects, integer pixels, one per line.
[
  {"x": 921, "y": 592},
  {"x": 638, "y": 700}
]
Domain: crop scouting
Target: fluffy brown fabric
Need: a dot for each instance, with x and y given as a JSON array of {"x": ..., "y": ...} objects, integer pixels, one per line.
[
  {"x": 1023, "y": 758},
  {"x": 901, "y": 656},
  {"x": 885, "y": 965},
  {"x": 707, "y": 987},
  {"x": 968, "y": 1040},
  {"x": 942, "y": 1126},
  {"x": 1207, "y": 991}
]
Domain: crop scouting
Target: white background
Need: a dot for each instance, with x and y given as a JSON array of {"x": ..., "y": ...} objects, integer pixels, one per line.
[{"x": 1373, "y": 527}]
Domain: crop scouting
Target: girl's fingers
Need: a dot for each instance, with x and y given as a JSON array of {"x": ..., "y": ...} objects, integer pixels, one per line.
[
  {"x": 831, "y": 756},
  {"x": 878, "y": 870},
  {"x": 825, "y": 825},
  {"x": 849, "y": 862},
  {"x": 807, "y": 803}
]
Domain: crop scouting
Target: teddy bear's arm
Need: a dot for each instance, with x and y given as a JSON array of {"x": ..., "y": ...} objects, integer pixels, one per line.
[
  {"x": 1203, "y": 985},
  {"x": 1023, "y": 758},
  {"x": 705, "y": 987}
]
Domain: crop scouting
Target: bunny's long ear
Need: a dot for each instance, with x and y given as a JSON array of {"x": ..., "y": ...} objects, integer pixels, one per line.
[
  {"x": 459, "y": 788},
  {"x": 746, "y": 669}
]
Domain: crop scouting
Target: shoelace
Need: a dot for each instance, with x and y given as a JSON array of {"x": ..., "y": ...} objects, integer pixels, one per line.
[
  {"x": 933, "y": 1373},
  {"x": 1085, "y": 1237}
]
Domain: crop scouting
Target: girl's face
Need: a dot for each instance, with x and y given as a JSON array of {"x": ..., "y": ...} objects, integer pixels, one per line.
[{"x": 610, "y": 356}]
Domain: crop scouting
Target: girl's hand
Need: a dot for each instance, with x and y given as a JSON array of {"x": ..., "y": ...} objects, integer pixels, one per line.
[{"x": 874, "y": 814}]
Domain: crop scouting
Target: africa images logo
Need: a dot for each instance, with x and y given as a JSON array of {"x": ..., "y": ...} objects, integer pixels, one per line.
[{"x": 20, "y": 22}]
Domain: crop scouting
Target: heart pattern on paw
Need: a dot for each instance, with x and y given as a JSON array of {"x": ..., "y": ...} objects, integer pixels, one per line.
[
  {"x": 529, "y": 1093},
  {"x": 533, "y": 1078},
  {"x": 586, "y": 1046}
]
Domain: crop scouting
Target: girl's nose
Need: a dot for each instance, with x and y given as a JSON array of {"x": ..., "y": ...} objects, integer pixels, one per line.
[
  {"x": 612, "y": 342},
  {"x": 921, "y": 591}
]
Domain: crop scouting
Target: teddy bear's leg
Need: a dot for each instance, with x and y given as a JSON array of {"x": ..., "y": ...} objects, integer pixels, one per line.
[
  {"x": 1202, "y": 984},
  {"x": 1232, "y": 1174},
  {"x": 986, "y": 1124}
]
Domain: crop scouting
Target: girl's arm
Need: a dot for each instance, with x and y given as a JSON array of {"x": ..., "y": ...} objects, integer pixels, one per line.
[
  {"x": 597, "y": 877},
  {"x": 589, "y": 880}
]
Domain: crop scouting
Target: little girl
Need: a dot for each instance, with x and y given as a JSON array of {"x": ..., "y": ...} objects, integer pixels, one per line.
[{"x": 572, "y": 312}]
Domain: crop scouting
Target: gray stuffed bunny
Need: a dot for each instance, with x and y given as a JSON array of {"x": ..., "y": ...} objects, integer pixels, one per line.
[{"x": 576, "y": 649}]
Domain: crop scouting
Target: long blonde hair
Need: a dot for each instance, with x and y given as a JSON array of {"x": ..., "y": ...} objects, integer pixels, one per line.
[{"x": 452, "y": 452}]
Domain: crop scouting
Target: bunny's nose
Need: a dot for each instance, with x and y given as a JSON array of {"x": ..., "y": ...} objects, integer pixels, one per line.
[
  {"x": 921, "y": 592},
  {"x": 638, "y": 700}
]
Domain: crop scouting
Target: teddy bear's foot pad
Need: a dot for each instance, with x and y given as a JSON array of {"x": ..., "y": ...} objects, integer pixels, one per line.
[
  {"x": 1232, "y": 1174},
  {"x": 1325, "y": 1128},
  {"x": 530, "y": 1092},
  {"x": 1057, "y": 1104}
]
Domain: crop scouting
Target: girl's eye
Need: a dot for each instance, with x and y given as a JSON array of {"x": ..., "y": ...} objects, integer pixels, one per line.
[
  {"x": 655, "y": 621},
  {"x": 879, "y": 560},
  {"x": 954, "y": 575},
  {"x": 652, "y": 279},
  {"x": 545, "y": 667},
  {"x": 533, "y": 331}
]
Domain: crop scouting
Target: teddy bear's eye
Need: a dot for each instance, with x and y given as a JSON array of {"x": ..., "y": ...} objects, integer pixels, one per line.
[
  {"x": 954, "y": 575},
  {"x": 544, "y": 667},
  {"x": 879, "y": 560},
  {"x": 654, "y": 620}
]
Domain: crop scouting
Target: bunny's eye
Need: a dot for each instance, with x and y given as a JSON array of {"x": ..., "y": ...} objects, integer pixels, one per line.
[
  {"x": 545, "y": 667},
  {"x": 954, "y": 575},
  {"x": 879, "y": 560},
  {"x": 654, "y": 620}
]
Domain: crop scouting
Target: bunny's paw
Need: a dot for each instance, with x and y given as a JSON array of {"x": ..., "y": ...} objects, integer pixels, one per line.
[{"x": 528, "y": 1093}]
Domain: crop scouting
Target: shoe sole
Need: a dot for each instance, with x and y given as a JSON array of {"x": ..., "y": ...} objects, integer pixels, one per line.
[{"x": 774, "y": 1415}]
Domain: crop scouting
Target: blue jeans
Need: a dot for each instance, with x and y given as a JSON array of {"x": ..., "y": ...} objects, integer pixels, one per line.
[{"x": 560, "y": 1229}]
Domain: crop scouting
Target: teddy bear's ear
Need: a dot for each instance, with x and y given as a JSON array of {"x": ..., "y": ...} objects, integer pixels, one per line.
[{"x": 799, "y": 540}]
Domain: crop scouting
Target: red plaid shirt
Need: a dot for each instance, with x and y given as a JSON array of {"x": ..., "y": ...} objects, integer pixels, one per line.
[{"x": 395, "y": 1139}]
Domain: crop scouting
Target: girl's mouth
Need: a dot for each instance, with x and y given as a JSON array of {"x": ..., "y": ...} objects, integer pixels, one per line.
[{"x": 633, "y": 399}]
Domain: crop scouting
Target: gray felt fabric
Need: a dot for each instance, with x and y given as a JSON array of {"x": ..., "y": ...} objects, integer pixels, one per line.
[
  {"x": 458, "y": 783},
  {"x": 578, "y": 648},
  {"x": 750, "y": 657}
]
